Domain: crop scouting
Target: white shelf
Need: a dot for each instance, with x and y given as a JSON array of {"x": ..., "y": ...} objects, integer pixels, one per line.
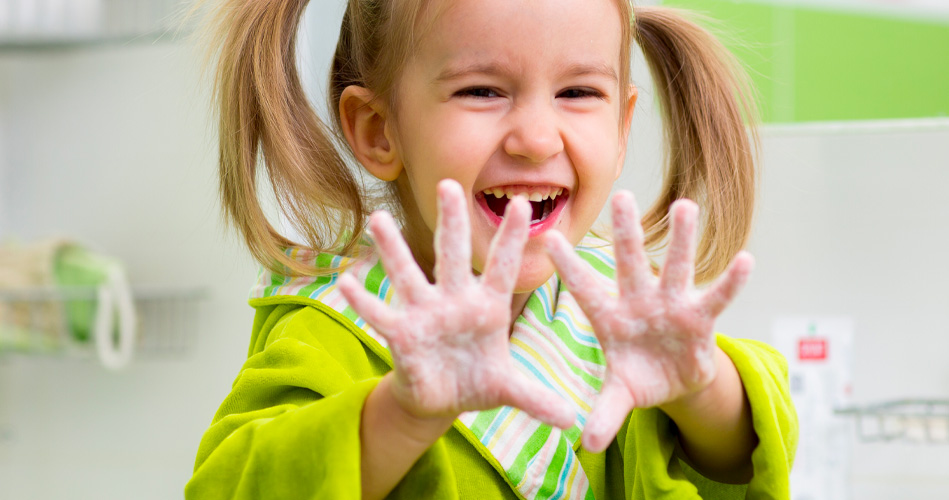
[
  {"x": 58, "y": 24},
  {"x": 908, "y": 420},
  {"x": 55, "y": 42},
  {"x": 34, "y": 321}
]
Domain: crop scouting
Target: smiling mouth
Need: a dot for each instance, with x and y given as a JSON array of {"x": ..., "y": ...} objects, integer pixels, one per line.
[{"x": 544, "y": 202}]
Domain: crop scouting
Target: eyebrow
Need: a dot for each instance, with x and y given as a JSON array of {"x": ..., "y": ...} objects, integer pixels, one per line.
[
  {"x": 494, "y": 69},
  {"x": 592, "y": 69}
]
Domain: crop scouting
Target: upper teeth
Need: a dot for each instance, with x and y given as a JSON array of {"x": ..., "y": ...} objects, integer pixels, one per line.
[{"x": 534, "y": 195}]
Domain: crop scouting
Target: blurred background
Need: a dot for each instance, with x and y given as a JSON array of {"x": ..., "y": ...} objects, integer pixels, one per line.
[{"x": 107, "y": 144}]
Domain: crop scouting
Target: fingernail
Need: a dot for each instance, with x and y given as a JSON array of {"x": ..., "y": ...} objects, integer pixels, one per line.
[
  {"x": 441, "y": 193},
  {"x": 685, "y": 202},
  {"x": 446, "y": 186},
  {"x": 510, "y": 206},
  {"x": 345, "y": 281},
  {"x": 749, "y": 258},
  {"x": 570, "y": 416}
]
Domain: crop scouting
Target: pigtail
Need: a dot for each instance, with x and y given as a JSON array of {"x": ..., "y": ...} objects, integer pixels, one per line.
[
  {"x": 710, "y": 155},
  {"x": 265, "y": 115}
]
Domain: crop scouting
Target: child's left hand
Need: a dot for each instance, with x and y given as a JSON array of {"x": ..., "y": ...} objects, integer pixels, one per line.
[{"x": 657, "y": 335}]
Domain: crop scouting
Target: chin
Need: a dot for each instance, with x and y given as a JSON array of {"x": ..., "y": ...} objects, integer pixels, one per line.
[{"x": 536, "y": 269}]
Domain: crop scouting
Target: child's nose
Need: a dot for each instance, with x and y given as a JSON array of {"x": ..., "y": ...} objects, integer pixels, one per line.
[{"x": 534, "y": 134}]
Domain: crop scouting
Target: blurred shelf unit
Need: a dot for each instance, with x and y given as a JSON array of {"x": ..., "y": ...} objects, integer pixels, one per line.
[
  {"x": 45, "y": 24},
  {"x": 909, "y": 421},
  {"x": 36, "y": 321}
]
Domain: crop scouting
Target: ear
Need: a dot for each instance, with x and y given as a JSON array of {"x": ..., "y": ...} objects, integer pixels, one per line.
[
  {"x": 627, "y": 111},
  {"x": 363, "y": 118}
]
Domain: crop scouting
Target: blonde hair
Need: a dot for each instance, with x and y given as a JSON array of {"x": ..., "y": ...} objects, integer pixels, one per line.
[
  {"x": 706, "y": 100},
  {"x": 264, "y": 115}
]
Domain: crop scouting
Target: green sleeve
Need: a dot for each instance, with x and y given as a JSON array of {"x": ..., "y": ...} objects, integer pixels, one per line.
[
  {"x": 642, "y": 463},
  {"x": 289, "y": 429},
  {"x": 764, "y": 373}
]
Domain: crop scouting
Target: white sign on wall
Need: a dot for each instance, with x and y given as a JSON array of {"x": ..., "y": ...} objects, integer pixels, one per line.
[{"x": 819, "y": 352}]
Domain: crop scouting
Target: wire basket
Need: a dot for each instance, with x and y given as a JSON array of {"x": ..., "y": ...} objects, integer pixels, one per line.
[
  {"x": 169, "y": 320},
  {"x": 37, "y": 320},
  {"x": 909, "y": 420}
]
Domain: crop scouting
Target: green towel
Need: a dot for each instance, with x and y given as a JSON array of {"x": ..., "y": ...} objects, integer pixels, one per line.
[
  {"x": 110, "y": 317},
  {"x": 75, "y": 266}
]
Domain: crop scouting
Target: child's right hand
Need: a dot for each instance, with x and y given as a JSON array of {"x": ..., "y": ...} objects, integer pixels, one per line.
[{"x": 449, "y": 342}]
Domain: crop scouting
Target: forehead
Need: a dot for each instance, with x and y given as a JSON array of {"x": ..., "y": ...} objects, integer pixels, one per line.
[{"x": 528, "y": 34}]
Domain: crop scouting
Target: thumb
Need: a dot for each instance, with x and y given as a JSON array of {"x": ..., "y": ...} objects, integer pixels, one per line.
[{"x": 612, "y": 406}]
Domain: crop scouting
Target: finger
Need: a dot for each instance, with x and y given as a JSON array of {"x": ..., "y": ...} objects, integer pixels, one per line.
[
  {"x": 633, "y": 271},
  {"x": 678, "y": 273},
  {"x": 400, "y": 266},
  {"x": 724, "y": 290},
  {"x": 504, "y": 256},
  {"x": 609, "y": 412},
  {"x": 538, "y": 401},
  {"x": 369, "y": 307},
  {"x": 577, "y": 274},
  {"x": 452, "y": 237}
]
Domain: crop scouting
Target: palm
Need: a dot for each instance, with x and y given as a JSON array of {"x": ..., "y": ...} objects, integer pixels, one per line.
[
  {"x": 449, "y": 341},
  {"x": 656, "y": 358},
  {"x": 657, "y": 334},
  {"x": 450, "y": 350}
]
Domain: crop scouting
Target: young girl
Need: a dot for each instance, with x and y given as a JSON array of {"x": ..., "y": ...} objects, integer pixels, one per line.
[{"x": 487, "y": 345}]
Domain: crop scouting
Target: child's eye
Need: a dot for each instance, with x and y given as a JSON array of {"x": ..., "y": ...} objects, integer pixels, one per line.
[
  {"x": 477, "y": 92},
  {"x": 579, "y": 93}
]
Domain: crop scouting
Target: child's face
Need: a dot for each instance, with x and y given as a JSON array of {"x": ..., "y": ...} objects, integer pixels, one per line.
[{"x": 516, "y": 96}]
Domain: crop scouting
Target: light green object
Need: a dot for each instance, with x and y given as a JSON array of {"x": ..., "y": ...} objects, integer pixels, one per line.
[
  {"x": 76, "y": 266},
  {"x": 110, "y": 319},
  {"x": 818, "y": 64},
  {"x": 289, "y": 429}
]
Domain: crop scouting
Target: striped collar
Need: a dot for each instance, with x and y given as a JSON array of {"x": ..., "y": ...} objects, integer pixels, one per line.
[{"x": 552, "y": 342}]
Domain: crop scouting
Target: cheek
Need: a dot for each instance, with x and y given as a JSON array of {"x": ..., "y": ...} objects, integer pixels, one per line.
[
  {"x": 450, "y": 144},
  {"x": 596, "y": 138},
  {"x": 464, "y": 142},
  {"x": 443, "y": 148},
  {"x": 595, "y": 157}
]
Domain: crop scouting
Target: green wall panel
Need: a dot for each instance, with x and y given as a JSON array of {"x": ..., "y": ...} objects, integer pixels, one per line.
[
  {"x": 869, "y": 67},
  {"x": 813, "y": 65}
]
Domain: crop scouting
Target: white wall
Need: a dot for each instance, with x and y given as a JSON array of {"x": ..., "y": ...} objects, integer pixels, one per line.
[
  {"x": 113, "y": 145},
  {"x": 853, "y": 222},
  {"x": 3, "y": 163}
]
